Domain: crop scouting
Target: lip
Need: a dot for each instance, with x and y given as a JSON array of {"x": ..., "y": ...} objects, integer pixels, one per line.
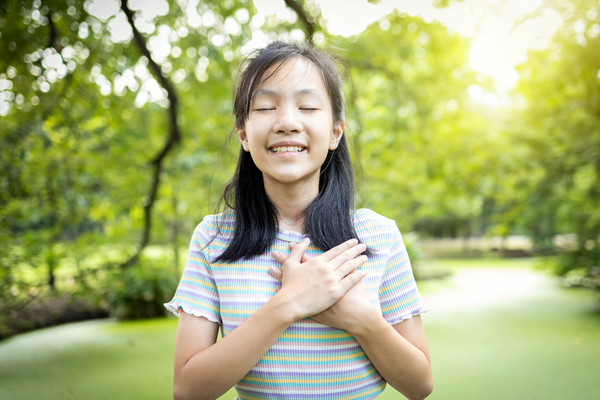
[{"x": 287, "y": 144}]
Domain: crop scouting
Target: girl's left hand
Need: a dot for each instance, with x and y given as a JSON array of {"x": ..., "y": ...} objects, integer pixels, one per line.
[{"x": 349, "y": 312}]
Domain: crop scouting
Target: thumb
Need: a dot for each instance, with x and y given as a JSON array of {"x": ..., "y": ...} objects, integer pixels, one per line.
[{"x": 305, "y": 257}]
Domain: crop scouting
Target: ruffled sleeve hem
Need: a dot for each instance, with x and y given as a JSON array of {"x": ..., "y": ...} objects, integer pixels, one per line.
[
  {"x": 174, "y": 307},
  {"x": 396, "y": 319}
]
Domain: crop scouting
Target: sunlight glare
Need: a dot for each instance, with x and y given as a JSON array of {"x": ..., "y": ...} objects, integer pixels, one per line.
[
  {"x": 473, "y": 289},
  {"x": 498, "y": 43},
  {"x": 499, "y": 46}
]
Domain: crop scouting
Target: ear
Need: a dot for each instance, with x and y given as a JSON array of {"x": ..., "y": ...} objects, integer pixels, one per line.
[
  {"x": 336, "y": 135},
  {"x": 243, "y": 139}
]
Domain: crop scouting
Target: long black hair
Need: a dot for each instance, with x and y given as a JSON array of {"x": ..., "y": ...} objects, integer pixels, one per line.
[{"x": 327, "y": 219}]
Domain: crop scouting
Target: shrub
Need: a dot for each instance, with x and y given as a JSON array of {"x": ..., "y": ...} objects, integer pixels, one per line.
[
  {"x": 140, "y": 291},
  {"x": 47, "y": 310}
]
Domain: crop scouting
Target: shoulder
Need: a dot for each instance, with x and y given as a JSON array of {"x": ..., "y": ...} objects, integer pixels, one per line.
[
  {"x": 366, "y": 220},
  {"x": 215, "y": 224},
  {"x": 375, "y": 230}
]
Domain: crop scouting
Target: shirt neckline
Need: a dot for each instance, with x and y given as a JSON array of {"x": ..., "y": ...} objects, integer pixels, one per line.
[
  {"x": 293, "y": 236},
  {"x": 289, "y": 236}
]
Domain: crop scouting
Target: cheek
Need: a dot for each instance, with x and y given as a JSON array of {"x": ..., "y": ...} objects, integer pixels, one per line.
[
  {"x": 257, "y": 154},
  {"x": 259, "y": 160},
  {"x": 321, "y": 139},
  {"x": 322, "y": 151},
  {"x": 254, "y": 137}
]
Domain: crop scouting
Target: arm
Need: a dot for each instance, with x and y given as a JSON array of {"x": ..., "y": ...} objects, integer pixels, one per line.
[
  {"x": 409, "y": 369},
  {"x": 205, "y": 369}
]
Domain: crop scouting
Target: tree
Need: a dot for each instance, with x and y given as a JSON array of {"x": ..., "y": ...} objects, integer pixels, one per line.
[
  {"x": 94, "y": 96},
  {"x": 560, "y": 87},
  {"x": 427, "y": 150}
]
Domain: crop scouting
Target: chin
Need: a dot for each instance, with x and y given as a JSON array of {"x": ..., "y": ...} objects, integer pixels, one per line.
[
  {"x": 293, "y": 178},
  {"x": 288, "y": 179}
]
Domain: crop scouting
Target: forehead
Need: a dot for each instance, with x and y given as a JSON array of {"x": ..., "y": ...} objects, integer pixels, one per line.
[{"x": 296, "y": 75}]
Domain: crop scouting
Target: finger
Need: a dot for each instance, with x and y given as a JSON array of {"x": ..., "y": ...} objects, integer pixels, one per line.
[
  {"x": 299, "y": 249},
  {"x": 349, "y": 254},
  {"x": 358, "y": 271},
  {"x": 276, "y": 272},
  {"x": 352, "y": 279},
  {"x": 278, "y": 256},
  {"x": 350, "y": 266},
  {"x": 281, "y": 258},
  {"x": 339, "y": 249}
]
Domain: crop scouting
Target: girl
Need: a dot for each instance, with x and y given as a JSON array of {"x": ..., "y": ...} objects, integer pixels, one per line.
[{"x": 316, "y": 300}]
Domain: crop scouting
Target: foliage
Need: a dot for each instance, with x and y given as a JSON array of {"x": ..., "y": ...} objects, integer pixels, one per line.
[
  {"x": 141, "y": 291},
  {"x": 560, "y": 89},
  {"x": 85, "y": 119},
  {"x": 427, "y": 149},
  {"x": 82, "y": 116}
]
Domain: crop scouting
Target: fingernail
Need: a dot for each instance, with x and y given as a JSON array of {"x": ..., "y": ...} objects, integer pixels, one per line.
[
  {"x": 276, "y": 253},
  {"x": 353, "y": 241},
  {"x": 365, "y": 258},
  {"x": 292, "y": 244},
  {"x": 273, "y": 269}
]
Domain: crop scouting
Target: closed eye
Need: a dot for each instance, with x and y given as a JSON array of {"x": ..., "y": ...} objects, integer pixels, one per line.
[
  {"x": 309, "y": 109},
  {"x": 264, "y": 109}
]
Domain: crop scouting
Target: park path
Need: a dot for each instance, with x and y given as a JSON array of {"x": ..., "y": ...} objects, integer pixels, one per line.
[
  {"x": 511, "y": 333},
  {"x": 476, "y": 288}
]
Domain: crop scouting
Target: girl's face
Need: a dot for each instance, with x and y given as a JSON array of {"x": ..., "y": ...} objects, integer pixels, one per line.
[{"x": 290, "y": 126}]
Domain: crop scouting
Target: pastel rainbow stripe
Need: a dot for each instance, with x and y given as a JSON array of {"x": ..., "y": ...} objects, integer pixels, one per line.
[{"x": 309, "y": 360}]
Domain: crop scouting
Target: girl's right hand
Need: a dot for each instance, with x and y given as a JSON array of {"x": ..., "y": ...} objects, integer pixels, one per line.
[{"x": 317, "y": 284}]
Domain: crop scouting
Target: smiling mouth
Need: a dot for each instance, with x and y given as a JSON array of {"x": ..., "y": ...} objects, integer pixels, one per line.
[{"x": 288, "y": 149}]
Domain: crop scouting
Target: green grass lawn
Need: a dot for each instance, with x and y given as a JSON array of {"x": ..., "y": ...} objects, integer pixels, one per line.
[
  {"x": 541, "y": 347},
  {"x": 498, "y": 330}
]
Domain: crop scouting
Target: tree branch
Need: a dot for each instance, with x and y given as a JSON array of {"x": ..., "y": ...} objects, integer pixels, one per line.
[
  {"x": 309, "y": 27},
  {"x": 173, "y": 138}
]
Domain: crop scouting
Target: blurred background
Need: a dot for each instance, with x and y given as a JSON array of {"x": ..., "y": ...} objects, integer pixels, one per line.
[{"x": 475, "y": 123}]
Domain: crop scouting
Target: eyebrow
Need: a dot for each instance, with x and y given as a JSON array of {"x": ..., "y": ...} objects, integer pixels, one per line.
[{"x": 275, "y": 93}]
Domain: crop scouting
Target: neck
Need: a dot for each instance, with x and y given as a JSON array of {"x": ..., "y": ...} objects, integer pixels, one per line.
[{"x": 291, "y": 200}]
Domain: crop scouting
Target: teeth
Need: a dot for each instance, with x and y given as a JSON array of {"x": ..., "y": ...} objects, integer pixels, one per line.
[{"x": 291, "y": 149}]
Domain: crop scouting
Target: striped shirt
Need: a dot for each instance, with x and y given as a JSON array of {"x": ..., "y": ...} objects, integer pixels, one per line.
[{"x": 310, "y": 360}]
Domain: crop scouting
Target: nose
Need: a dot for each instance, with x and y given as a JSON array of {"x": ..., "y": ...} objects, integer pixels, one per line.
[{"x": 289, "y": 120}]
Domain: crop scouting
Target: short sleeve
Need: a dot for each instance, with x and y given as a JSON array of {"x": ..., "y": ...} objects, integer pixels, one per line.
[
  {"x": 398, "y": 293},
  {"x": 197, "y": 292}
]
